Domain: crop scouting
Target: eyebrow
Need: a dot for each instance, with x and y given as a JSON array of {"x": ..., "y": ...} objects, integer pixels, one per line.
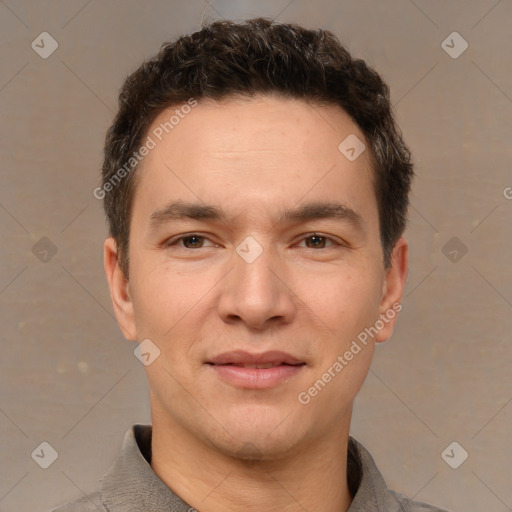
[{"x": 179, "y": 210}]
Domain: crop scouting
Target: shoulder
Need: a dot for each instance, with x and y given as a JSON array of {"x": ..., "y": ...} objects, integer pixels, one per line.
[
  {"x": 89, "y": 503},
  {"x": 369, "y": 487},
  {"x": 406, "y": 504}
]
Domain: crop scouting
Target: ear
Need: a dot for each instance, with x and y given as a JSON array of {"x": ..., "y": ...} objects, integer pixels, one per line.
[
  {"x": 119, "y": 290},
  {"x": 393, "y": 287}
]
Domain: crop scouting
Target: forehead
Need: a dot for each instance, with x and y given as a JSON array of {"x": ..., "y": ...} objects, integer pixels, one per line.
[{"x": 259, "y": 153}]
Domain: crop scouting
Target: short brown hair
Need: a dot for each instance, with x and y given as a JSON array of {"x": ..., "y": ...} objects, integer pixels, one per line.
[{"x": 258, "y": 56}]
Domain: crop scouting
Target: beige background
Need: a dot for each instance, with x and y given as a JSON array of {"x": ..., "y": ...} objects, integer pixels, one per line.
[{"x": 68, "y": 377}]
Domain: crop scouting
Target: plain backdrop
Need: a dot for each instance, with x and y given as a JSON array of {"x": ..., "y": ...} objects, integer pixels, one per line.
[{"x": 67, "y": 376}]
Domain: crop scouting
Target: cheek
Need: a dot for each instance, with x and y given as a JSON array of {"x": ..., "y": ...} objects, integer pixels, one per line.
[
  {"x": 347, "y": 306},
  {"x": 163, "y": 298},
  {"x": 345, "y": 301}
]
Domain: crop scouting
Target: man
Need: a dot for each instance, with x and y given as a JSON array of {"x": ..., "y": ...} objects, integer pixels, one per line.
[{"x": 256, "y": 189}]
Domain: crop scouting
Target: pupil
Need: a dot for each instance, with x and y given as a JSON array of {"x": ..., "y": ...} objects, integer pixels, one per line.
[
  {"x": 195, "y": 240},
  {"x": 317, "y": 239}
]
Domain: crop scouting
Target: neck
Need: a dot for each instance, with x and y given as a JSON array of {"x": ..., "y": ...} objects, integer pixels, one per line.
[{"x": 314, "y": 477}]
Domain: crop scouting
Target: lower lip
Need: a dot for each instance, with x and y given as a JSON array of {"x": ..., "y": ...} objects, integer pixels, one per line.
[{"x": 255, "y": 378}]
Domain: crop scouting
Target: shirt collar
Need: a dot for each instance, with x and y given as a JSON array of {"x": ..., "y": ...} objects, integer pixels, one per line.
[{"x": 131, "y": 484}]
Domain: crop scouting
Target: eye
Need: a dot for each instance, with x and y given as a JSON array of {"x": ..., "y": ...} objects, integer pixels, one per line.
[
  {"x": 197, "y": 241},
  {"x": 317, "y": 241},
  {"x": 190, "y": 241}
]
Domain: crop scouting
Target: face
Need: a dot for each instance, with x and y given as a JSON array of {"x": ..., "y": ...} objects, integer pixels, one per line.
[{"x": 255, "y": 268}]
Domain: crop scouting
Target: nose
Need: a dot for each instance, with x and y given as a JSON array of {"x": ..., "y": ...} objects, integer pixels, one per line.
[{"x": 257, "y": 293}]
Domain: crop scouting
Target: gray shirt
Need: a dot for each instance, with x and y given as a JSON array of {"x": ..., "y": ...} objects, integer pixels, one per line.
[{"x": 131, "y": 485}]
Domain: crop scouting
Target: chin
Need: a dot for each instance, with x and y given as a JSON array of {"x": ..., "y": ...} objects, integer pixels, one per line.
[
  {"x": 252, "y": 449},
  {"x": 261, "y": 433}
]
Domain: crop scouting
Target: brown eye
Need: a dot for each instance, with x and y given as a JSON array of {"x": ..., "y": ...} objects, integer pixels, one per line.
[
  {"x": 190, "y": 241},
  {"x": 193, "y": 241},
  {"x": 316, "y": 242}
]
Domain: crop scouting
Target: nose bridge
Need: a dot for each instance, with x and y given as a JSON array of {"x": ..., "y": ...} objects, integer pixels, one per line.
[
  {"x": 254, "y": 292},
  {"x": 252, "y": 267}
]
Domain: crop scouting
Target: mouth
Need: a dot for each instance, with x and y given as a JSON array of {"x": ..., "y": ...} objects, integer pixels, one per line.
[
  {"x": 248, "y": 359},
  {"x": 259, "y": 366},
  {"x": 256, "y": 371}
]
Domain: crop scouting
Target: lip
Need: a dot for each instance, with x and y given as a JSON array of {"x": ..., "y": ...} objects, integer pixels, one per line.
[
  {"x": 229, "y": 367},
  {"x": 243, "y": 357}
]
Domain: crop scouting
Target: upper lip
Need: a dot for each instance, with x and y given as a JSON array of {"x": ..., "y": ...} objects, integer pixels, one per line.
[{"x": 243, "y": 357}]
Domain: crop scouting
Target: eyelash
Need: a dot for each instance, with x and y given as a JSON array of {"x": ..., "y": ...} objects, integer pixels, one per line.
[{"x": 174, "y": 241}]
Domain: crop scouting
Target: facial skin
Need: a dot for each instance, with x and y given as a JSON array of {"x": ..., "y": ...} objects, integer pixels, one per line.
[{"x": 308, "y": 297}]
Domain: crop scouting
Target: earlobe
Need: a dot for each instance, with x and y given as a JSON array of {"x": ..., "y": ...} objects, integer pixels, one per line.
[
  {"x": 119, "y": 290},
  {"x": 396, "y": 276}
]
